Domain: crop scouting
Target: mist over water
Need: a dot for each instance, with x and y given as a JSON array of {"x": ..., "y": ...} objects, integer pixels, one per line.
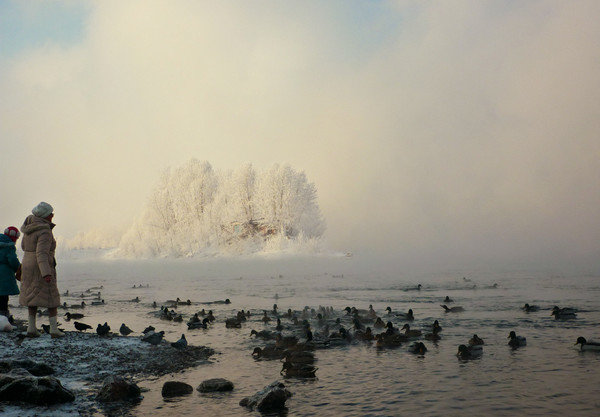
[{"x": 547, "y": 377}]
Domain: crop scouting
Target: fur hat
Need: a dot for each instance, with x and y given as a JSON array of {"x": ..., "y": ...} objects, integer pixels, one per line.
[
  {"x": 42, "y": 210},
  {"x": 12, "y": 232}
]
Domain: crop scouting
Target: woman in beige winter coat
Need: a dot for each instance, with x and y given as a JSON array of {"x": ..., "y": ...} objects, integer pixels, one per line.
[{"x": 38, "y": 271}]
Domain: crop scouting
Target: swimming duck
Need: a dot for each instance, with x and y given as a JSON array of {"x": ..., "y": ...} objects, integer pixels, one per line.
[
  {"x": 82, "y": 305},
  {"x": 476, "y": 341},
  {"x": 287, "y": 341},
  {"x": 233, "y": 323},
  {"x": 198, "y": 324},
  {"x": 279, "y": 326},
  {"x": 210, "y": 316},
  {"x": 379, "y": 324},
  {"x": 366, "y": 336},
  {"x": 418, "y": 348},
  {"x": 417, "y": 288},
  {"x": 265, "y": 318},
  {"x": 75, "y": 316},
  {"x": 585, "y": 345},
  {"x": 299, "y": 356},
  {"x": 181, "y": 343},
  {"x": 103, "y": 329},
  {"x": 371, "y": 313},
  {"x": 436, "y": 326},
  {"x": 264, "y": 334},
  {"x": 448, "y": 300},
  {"x": 298, "y": 370},
  {"x": 516, "y": 341},
  {"x": 410, "y": 333},
  {"x": 390, "y": 340},
  {"x": 530, "y": 308},
  {"x": 563, "y": 313},
  {"x": 434, "y": 336},
  {"x": 124, "y": 330},
  {"x": 269, "y": 352},
  {"x": 82, "y": 327},
  {"x": 469, "y": 352},
  {"x": 194, "y": 319},
  {"x": 456, "y": 309},
  {"x": 97, "y": 303}
]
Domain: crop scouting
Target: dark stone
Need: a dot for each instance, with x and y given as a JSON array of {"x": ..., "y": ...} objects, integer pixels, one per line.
[
  {"x": 5, "y": 367},
  {"x": 116, "y": 388},
  {"x": 176, "y": 388},
  {"x": 270, "y": 398},
  {"x": 45, "y": 390},
  {"x": 34, "y": 368},
  {"x": 215, "y": 384}
]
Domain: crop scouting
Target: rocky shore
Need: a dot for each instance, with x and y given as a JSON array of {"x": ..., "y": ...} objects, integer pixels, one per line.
[{"x": 82, "y": 361}]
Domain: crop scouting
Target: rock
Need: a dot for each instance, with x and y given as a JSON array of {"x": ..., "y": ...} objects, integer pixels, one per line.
[
  {"x": 45, "y": 390},
  {"x": 176, "y": 388},
  {"x": 215, "y": 384},
  {"x": 34, "y": 368},
  {"x": 116, "y": 388},
  {"x": 270, "y": 398}
]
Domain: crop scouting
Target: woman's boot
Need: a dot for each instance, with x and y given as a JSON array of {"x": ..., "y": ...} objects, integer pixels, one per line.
[
  {"x": 31, "y": 329},
  {"x": 54, "y": 332}
]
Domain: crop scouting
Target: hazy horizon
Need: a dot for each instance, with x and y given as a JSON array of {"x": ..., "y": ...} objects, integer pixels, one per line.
[{"x": 450, "y": 134}]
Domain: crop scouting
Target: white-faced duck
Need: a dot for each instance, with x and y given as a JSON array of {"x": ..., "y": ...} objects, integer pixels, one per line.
[
  {"x": 516, "y": 341},
  {"x": 456, "y": 309},
  {"x": 587, "y": 345}
]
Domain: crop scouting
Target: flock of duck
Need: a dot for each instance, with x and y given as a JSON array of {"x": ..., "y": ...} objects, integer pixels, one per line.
[{"x": 292, "y": 336}]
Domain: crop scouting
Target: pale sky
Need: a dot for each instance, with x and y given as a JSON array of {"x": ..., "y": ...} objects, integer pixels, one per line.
[{"x": 453, "y": 132}]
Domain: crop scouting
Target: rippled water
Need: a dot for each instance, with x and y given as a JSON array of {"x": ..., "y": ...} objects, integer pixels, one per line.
[{"x": 547, "y": 377}]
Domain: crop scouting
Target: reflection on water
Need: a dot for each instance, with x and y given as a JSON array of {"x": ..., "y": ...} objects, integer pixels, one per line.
[{"x": 547, "y": 377}]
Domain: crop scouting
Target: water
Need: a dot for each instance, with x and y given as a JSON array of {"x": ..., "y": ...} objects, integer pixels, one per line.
[{"x": 547, "y": 377}]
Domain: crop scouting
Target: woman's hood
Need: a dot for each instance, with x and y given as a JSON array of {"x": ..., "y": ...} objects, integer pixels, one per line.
[{"x": 33, "y": 224}]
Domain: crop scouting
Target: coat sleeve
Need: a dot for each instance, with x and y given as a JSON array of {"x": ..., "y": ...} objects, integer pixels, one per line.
[
  {"x": 42, "y": 252},
  {"x": 12, "y": 259}
]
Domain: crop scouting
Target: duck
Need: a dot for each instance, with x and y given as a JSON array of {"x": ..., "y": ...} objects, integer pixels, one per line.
[
  {"x": 299, "y": 356},
  {"x": 418, "y": 348},
  {"x": 563, "y": 313},
  {"x": 75, "y": 316},
  {"x": 379, "y": 324},
  {"x": 181, "y": 343},
  {"x": 417, "y": 288},
  {"x": 476, "y": 341},
  {"x": 103, "y": 329},
  {"x": 287, "y": 341},
  {"x": 124, "y": 330},
  {"x": 82, "y": 327},
  {"x": 136, "y": 300},
  {"x": 154, "y": 338},
  {"x": 269, "y": 352},
  {"x": 406, "y": 316},
  {"x": 390, "y": 340},
  {"x": 98, "y": 303},
  {"x": 448, "y": 300},
  {"x": 194, "y": 319},
  {"x": 585, "y": 345},
  {"x": 530, "y": 308},
  {"x": 82, "y": 305},
  {"x": 456, "y": 309},
  {"x": 198, "y": 324},
  {"x": 233, "y": 323},
  {"x": 178, "y": 318},
  {"x": 298, "y": 370},
  {"x": 265, "y": 318},
  {"x": 279, "y": 326},
  {"x": 264, "y": 334},
  {"x": 436, "y": 326},
  {"x": 372, "y": 314},
  {"x": 516, "y": 341},
  {"x": 434, "y": 336},
  {"x": 366, "y": 335},
  {"x": 148, "y": 329},
  {"x": 469, "y": 352},
  {"x": 411, "y": 333},
  {"x": 210, "y": 316}
]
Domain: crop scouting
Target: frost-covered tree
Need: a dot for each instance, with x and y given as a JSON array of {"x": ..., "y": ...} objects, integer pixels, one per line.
[{"x": 194, "y": 209}]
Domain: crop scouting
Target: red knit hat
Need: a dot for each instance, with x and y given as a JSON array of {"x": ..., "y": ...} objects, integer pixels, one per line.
[{"x": 12, "y": 232}]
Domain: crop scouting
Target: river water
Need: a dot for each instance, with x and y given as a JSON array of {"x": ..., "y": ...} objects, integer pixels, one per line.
[{"x": 547, "y": 377}]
